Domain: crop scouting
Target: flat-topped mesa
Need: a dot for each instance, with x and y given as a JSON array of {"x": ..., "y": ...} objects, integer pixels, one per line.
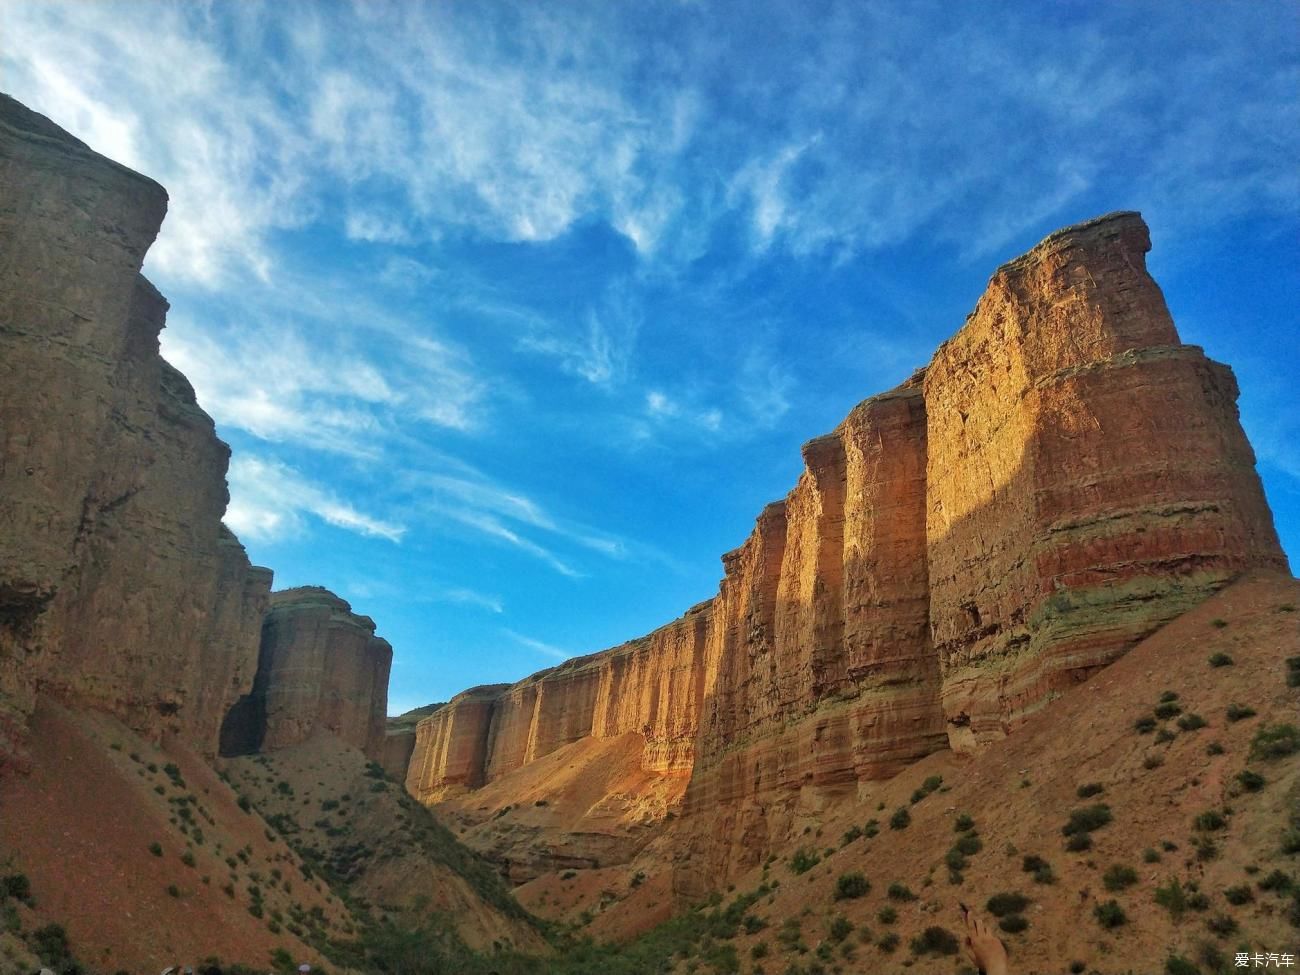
[
  {"x": 322, "y": 669},
  {"x": 1088, "y": 477},
  {"x": 119, "y": 586}
]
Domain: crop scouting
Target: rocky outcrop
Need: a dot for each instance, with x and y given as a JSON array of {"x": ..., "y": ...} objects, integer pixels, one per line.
[
  {"x": 1060, "y": 481},
  {"x": 119, "y": 586},
  {"x": 321, "y": 669}
]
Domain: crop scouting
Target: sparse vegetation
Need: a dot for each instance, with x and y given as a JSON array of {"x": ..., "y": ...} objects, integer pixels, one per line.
[
  {"x": 1087, "y": 819},
  {"x": 851, "y": 886},
  {"x": 156, "y": 849},
  {"x": 1214, "y": 748},
  {"x": 900, "y": 892},
  {"x": 1110, "y": 915},
  {"x": 1239, "y": 894},
  {"x": 1275, "y": 741},
  {"x": 1013, "y": 923},
  {"x": 1191, "y": 721},
  {"x": 963, "y": 823},
  {"x": 1089, "y": 790},
  {"x": 887, "y": 915},
  {"x": 901, "y": 818},
  {"x": 1000, "y": 905},
  {"x": 804, "y": 859},
  {"x": 1239, "y": 712},
  {"x": 1220, "y": 659},
  {"x": 1168, "y": 709},
  {"x": 1119, "y": 877},
  {"x": 1145, "y": 725},
  {"x": 1209, "y": 820},
  {"x": 888, "y": 942}
]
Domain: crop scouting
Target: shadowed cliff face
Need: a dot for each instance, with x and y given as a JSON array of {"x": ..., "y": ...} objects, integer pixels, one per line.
[
  {"x": 1063, "y": 479},
  {"x": 119, "y": 586},
  {"x": 321, "y": 669}
]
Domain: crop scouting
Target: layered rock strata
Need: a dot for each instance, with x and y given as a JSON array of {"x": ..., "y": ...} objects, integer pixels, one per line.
[
  {"x": 119, "y": 586},
  {"x": 321, "y": 669},
  {"x": 1061, "y": 480}
]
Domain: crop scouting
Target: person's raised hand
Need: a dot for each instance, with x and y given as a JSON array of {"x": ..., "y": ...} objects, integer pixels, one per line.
[{"x": 983, "y": 946}]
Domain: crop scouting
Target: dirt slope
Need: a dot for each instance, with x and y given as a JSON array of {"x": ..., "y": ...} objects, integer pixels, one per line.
[{"x": 1020, "y": 794}]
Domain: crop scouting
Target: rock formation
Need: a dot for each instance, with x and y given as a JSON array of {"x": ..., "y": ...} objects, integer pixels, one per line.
[
  {"x": 1059, "y": 482},
  {"x": 321, "y": 668},
  {"x": 119, "y": 586}
]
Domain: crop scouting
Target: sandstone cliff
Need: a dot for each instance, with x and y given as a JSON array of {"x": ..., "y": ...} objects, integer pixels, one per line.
[
  {"x": 321, "y": 668},
  {"x": 1060, "y": 481},
  {"x": 119, "y": 586}
]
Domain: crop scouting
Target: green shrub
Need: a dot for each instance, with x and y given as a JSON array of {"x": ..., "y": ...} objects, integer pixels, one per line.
[
  {"x": 900, "y": 892},
  {"x": 1251, "y": 781},
  {"x": 1150, "y": 855},
  {"x": 1275, "y": 741},
  {"x": 840, "y": 928},
  {"x": 1145, "y": 725},
  {"x": 156, "y": 849},
  {"x": 753, "y": 924},
  {"x": 173, "y": 890},
  {"x": 1238, "y": 895},
  {"x": 1191, "y": 721},
  {"x": 888, "y": 942},
  {"x": 969, "y": 845},
  {"x": 887, "y": 915},
  {"x": 1110, "y": 915},
  {"x": 851, "y": 886},
  {"x": 50, "y": 944},
  {"x": 1013, "y": 923},
  {"x": 1209, "y": 820},
  {"x": 1177, "y": 965},
  {"x": 1293, "y": 671},
  {"x": 1089, "y": 790},
  {"x": 803, "y": 860},
  {"x": 1218, "y": 624},
  {"x": 1168, "y": 696},
  {"x": 1239, "y": 712},
  {"x": 963, "y": 823},
  {"x": 901, "y": 818},
  {"x": 1214, "y": 748},
  {"x": 851, "y": 834},
  {"x": 1079, "y": 842},
  {"x": 187, "y": 858},
  {"x": 1040, "y": 868},
  {"x": 17, "y": 886},
  {"x": 1220, "y": 660},
  {"x": 1173, "y": 898},
  {"x": 1169, "y": 709},
  {"x": 758, "y": 951},
  {"x": 934, "y": 940},
  {"x": 1000, "y": 905},
  {"x": 1164, "y": 735},
  {"x": 1087, "y": 819},
  {"x": 1119, "y": 877},
  {"x": 955, "y": 860},
  {"x": 244, "y": 804},
  {"x": 1276, "y": 881},
  {"x": 1222, "y": 925}
]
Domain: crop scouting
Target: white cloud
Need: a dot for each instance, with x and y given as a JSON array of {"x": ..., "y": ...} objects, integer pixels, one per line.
[
  {"x": 268, "y": 501},
  {"x": 543, "y": 648}
]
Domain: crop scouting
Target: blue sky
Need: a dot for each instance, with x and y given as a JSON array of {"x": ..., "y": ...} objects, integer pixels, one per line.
[{"x": 515, "y": 315}]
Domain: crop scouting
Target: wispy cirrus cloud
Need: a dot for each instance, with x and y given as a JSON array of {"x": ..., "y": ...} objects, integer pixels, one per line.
[
  {"x": 547, "y": 649},
  {"x": 271, "y": 501}
]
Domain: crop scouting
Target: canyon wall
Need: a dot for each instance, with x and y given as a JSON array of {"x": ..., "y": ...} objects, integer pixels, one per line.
[
  {"x": 119, "y": 586},
  {"x": 321, "y": 669},
  {"x": 1061, "y": 480}
]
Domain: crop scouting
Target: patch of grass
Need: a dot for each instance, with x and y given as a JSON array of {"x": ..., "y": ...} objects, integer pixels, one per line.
[
  {"x": 1221, "y": 659},
  {"x": 1110, "y": 915},
  {"x": 851, "y": 886},
  {"x": 1089, "y": 790},
  {"x": 1239, "y": 712},
  {"x": 1119, "y": 877},
  {"x": 1275, "y": 741},
  {"x": 901, "y": 818},
  {"x": 1000, "y": 905}
]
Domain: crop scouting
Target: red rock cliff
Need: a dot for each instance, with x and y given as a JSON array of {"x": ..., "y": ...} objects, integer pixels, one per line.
[
  {"x": 119, "y": 586},
  {"x": 321, "y": 669},
  {"x": 1064, "y": 478}
]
